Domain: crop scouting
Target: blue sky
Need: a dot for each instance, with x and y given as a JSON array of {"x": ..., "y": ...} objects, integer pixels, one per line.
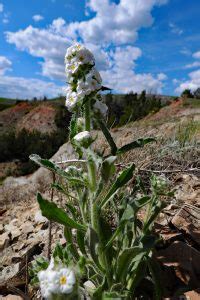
[{"x": 138, "y": 44}]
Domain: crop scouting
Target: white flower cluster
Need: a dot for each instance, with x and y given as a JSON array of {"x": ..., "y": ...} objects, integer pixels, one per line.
[
  {"x": 82, "y": 76},
  {"x": 56, "y": 280}
]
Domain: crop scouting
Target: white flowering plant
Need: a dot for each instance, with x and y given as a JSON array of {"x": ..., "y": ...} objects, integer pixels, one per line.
[{"x": 108, "y": 244}]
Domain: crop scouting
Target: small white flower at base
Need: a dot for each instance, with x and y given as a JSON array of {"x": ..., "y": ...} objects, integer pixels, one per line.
[
  {"x": 56, "y": 280},
  {"x": 66, "y": 280},
  {"x": 83, "y": 139},
  {"x": 101, "y": 107}
]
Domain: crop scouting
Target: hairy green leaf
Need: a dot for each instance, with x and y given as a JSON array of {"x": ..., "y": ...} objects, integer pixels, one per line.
[
  {"x": 135, "y": 144},
  {"x": 122, "y": 179},
  {"x": 52, "y": 212}
]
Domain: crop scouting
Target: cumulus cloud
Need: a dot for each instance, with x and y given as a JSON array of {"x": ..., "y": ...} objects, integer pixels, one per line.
[
  {"x": 19, "y": 87},
  {"x": 192, "y": 83},
  {"x": 38, "y": 18},
  {"x": 122, "y": 77},
  {"x": 1, "y": 7},
  {"x": 5, "y": 65},
  {"x": 195, "y": 64},
  {"x": 116, "y": 23},
  {"x": 22, "y": 88},
  {"x": 111, "y": 26},
  {"x": 196, "y": 55}
]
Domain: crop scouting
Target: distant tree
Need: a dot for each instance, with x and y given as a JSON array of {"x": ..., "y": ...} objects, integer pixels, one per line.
[
  {"x": 35, "y": 99},
  {"x": 45, "y": 98},
  {"x": 197, "y": 93},
  {"x": 187, "y": 93}
]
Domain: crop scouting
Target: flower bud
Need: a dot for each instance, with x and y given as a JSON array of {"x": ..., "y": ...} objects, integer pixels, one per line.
[{"x": 83, "y": 139}]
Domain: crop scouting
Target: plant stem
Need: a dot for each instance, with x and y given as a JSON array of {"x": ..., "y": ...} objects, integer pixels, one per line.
[{"x": 87, "y": 116}]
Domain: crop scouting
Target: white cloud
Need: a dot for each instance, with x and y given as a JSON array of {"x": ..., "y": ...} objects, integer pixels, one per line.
[
  {"x": 22, "y": 88},
  {"x": 38, "y": 18},
  {"x": 185, "y": 51},
  {"x": 122, "y": 77},
  {"x": 19, "y": 87},
  {"x": 195, "y": 64},
  {"x": 196, "y": 55},
  {"x": 193, "y": 83},
  {"x": 117, "y": 23},
  {"x": 43, "y": 43},
  {"x": 1, "y": 7},
  {"x": 114, "y": 25},
  {"x": 162, "y": 76},
  {"x": 175, "y": 29},
  {"x": 5, "y": 65}
]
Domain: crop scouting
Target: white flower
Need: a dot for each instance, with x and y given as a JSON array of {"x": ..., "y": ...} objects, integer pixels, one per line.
[
  {"x": 66, "y": 280},
  {"x": 91, "y": 84},
  {"x": 72, "y": 99},
  {"x": 56, "y": 280},
  {"x": 48, "y": 283},
  {"x": 93, "y": 79},
  {"x": 100, "y": 107},
  {"x": 84, "y": 56},
  {"x": 96, "y": 75},
  {"x": 71, "y": 68},
  {"x": 83, "y": 89},
  {"x": 83, "y": 138},
  {"x": 79, "y": 54},
  {"x": 71, "y": 51}
]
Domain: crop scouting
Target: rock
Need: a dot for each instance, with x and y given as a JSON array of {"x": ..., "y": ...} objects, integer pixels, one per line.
[
  {"x": 4, "y": 240},
  {"x": 184, "y": 259},
  {"x": 15, "y": 233},
  {"x": 1, "y": 228},
  {"x": 9, "y": 272},
  {"x": 26, "y": 228},
  {"x": 193, "y": 295},
  {"x": 11, "y": 297},
  {"x": 39, "y": 218},
  {"x": 188, "y": 220},
  {"x": 89, "y": 286}
]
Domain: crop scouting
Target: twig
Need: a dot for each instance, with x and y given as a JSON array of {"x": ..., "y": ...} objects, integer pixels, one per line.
[
  {"x": 71, "y": 161},
  {"x": 162, "y": 171},
  {"x": 170, "y": 171},
  {"x": 27, "y": 277},
  {"x": 50, "y": 224}
]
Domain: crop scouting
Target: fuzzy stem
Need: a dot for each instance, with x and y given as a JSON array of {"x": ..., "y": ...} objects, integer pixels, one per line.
[{"x": 87, "y": 116}]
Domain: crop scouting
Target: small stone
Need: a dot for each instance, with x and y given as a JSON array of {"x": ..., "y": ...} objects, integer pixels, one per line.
[
  {"x": 39, "y": 218},
  {"x": 27, "y": 228},
  {"x": 1, "y": 228},
  {"x": 15, "y": 233},
  {"x": 188, "y": 219},
  {"x": 4, "y": 240}
]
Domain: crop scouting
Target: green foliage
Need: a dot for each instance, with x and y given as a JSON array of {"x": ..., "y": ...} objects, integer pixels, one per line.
[
  {"x": 131, "y": 107},
  {"x": 20, "y": 145},
  {"x": 187, "y": 93}
]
